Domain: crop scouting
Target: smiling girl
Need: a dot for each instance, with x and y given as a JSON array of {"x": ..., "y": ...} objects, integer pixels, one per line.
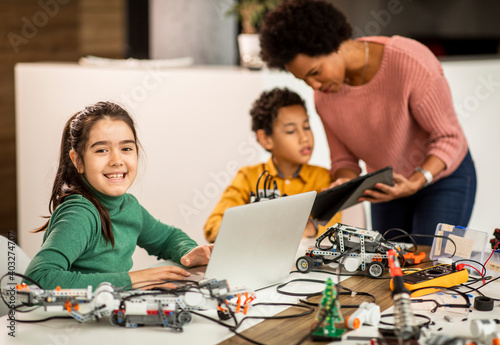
[{"x": 95, "y": 225}]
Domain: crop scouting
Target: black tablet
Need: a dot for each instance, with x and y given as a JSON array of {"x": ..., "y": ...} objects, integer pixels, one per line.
[{"x": 333, "y": 200}]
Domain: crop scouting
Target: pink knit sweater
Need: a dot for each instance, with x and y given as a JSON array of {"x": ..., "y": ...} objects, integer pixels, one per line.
[{"x": 401, "y": 116}]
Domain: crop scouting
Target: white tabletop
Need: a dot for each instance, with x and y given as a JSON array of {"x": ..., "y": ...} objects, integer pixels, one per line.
[
  {"x": 199, "y": 331},
  {"x": 202, "y": 331}
]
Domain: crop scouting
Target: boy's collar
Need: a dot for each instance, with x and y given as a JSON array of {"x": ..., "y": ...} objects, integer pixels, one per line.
[{"x": 274, "y": 171}]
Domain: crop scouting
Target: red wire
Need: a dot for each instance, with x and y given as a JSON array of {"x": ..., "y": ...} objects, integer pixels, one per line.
[
  {"x": 473, "y": 268},
  {"x": 494, "y": 248}
]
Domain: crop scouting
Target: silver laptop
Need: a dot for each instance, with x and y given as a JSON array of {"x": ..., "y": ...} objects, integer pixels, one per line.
[{"x": 257, "y": 243}]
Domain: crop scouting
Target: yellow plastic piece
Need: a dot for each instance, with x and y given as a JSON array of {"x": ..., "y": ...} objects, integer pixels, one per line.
[{"x": 446, "y": 280}]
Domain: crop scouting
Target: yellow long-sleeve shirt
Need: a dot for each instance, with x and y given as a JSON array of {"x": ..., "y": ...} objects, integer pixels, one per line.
[{"x": 308, "y": 178}]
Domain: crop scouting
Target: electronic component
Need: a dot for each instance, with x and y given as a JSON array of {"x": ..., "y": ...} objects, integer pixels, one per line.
[
  {"x": 458, "y": 242},
  {"x": 367, "y": 250},
  {"x": 496, "y": 238},
  {"x": 268, "y": 192},
  {"x": 414, "y": 259},
  {"x": 133, "y": 308},
  {"x": 440, "y": 275},
  {"x": 404, "y": 319},
  {"x": 485, "y": 331},
  {"x": 328, "y": 314},
  {"x": 366, "y": 314},
  {"x": 483, "y": 303}
]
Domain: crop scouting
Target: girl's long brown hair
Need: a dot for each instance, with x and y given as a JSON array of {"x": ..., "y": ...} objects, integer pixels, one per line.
[{"x": 68, "y": 180}]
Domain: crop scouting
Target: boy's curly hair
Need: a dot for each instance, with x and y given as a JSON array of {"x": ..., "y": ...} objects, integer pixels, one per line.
[
  {"x": 310, "y": 27},
  {"x": 265, "y": 109}
]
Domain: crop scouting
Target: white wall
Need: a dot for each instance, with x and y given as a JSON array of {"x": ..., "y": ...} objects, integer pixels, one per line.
[
  {"x": 475, "y": 86},
  {"x": 195, "y": 130},
  {"x": 193, "y": 125}
]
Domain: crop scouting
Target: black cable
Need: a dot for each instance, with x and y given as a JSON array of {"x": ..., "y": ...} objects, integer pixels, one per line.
[
  {"x": 231, "y": 328},
  {"x": 358, "y": 293},
  {"x": 47, "y": 319},
  {"x": 341, "y": 274},
  {"x": 16, "y": 307},
  {"x": 313, "y": 329},
  {"x": 275, "y": 185},
  {"x": 238, "y": 324},
  {"x": 279, "y": 287},
  {"x": 424, "y": 324},
  {"x": 431, "y": 236},
  {"x": 309, "y": 310},
  {"x": 257, "y": 198},
  {"x": 476, "y": 262},
  {"x": 266, "y": 183},
  {"x": 480, "y": 287},
  {"x": 421, "y": 262},
  {"x": 313, "y": 294},
  {"x": 403, "y": 231},
  {"x": 438, "y": 305},
  {"x": 148, "y": 283}
]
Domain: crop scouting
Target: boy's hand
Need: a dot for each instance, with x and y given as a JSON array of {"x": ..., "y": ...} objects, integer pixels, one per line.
[
  {"x": 146, "y": 279},
  {"x": 311, "y": 231},
  {"x": 338, "y": 182},
  {"x": 197, "y": 256}
]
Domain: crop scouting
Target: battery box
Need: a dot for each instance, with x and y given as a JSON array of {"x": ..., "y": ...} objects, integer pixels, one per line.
[{"x": 440, "y": 275}]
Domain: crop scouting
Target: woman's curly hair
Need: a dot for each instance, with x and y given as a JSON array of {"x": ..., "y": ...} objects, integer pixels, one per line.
[
  {"x": 265, "y": 109},
  {"x": 310, "y": 27}
]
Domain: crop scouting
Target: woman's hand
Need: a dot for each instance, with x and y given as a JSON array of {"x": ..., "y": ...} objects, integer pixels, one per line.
[
  {"x": 338, "y": 182},
  {"x": 198, "y": 256},
  {"x": 156, "y": 276},
  {"x": 403, "y": 187}
]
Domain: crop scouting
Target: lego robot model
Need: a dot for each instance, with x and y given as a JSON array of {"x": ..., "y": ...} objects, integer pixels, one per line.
[
  {"x": 356, "y": 248},
  {"x": 134, "y": 308}
]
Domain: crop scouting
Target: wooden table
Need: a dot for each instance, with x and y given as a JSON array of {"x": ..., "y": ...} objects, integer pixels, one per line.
[{"x": 290, "y": 331}]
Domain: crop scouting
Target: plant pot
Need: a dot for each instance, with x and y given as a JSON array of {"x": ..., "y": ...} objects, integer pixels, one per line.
[{"x": 249, "y": 51}]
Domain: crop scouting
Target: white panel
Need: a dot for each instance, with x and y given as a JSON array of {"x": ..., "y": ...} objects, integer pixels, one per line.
[{"x": 475, "y": 86}]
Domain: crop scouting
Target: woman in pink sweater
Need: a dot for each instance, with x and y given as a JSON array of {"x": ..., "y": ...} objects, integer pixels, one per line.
[{"x": 383, "y": 100}]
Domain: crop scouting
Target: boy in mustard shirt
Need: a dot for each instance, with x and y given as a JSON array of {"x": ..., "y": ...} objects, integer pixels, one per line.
[{"x": 281, "y": 123}]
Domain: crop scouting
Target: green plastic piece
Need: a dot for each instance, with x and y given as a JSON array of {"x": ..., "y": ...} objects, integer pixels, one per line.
[{"x": 328, "y": 314}]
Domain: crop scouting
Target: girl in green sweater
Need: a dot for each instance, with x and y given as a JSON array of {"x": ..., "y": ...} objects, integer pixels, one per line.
[{"x": 95, "y": 225}]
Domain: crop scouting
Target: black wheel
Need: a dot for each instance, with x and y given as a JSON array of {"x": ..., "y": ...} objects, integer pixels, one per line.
[
  {"x": 223, "y": 315},
  {"x": 184, "y": 317},
  {"x": 376, "y": 269},
  {"x": 118, "y": 320},
  {"x": 304, "y": 264}
]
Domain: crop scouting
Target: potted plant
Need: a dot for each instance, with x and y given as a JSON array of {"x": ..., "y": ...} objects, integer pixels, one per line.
[{"x": 251, "y": 14}]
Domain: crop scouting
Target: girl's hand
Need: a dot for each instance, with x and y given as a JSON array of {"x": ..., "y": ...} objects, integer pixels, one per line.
[
  {"x": 198, "y": 256},
  {"x": 146, "y": 279},
  {"x": 402, "y": 188}
]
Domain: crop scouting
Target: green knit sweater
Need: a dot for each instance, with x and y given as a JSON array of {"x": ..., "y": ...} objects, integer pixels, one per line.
[{"x": 74, "y": 253}]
